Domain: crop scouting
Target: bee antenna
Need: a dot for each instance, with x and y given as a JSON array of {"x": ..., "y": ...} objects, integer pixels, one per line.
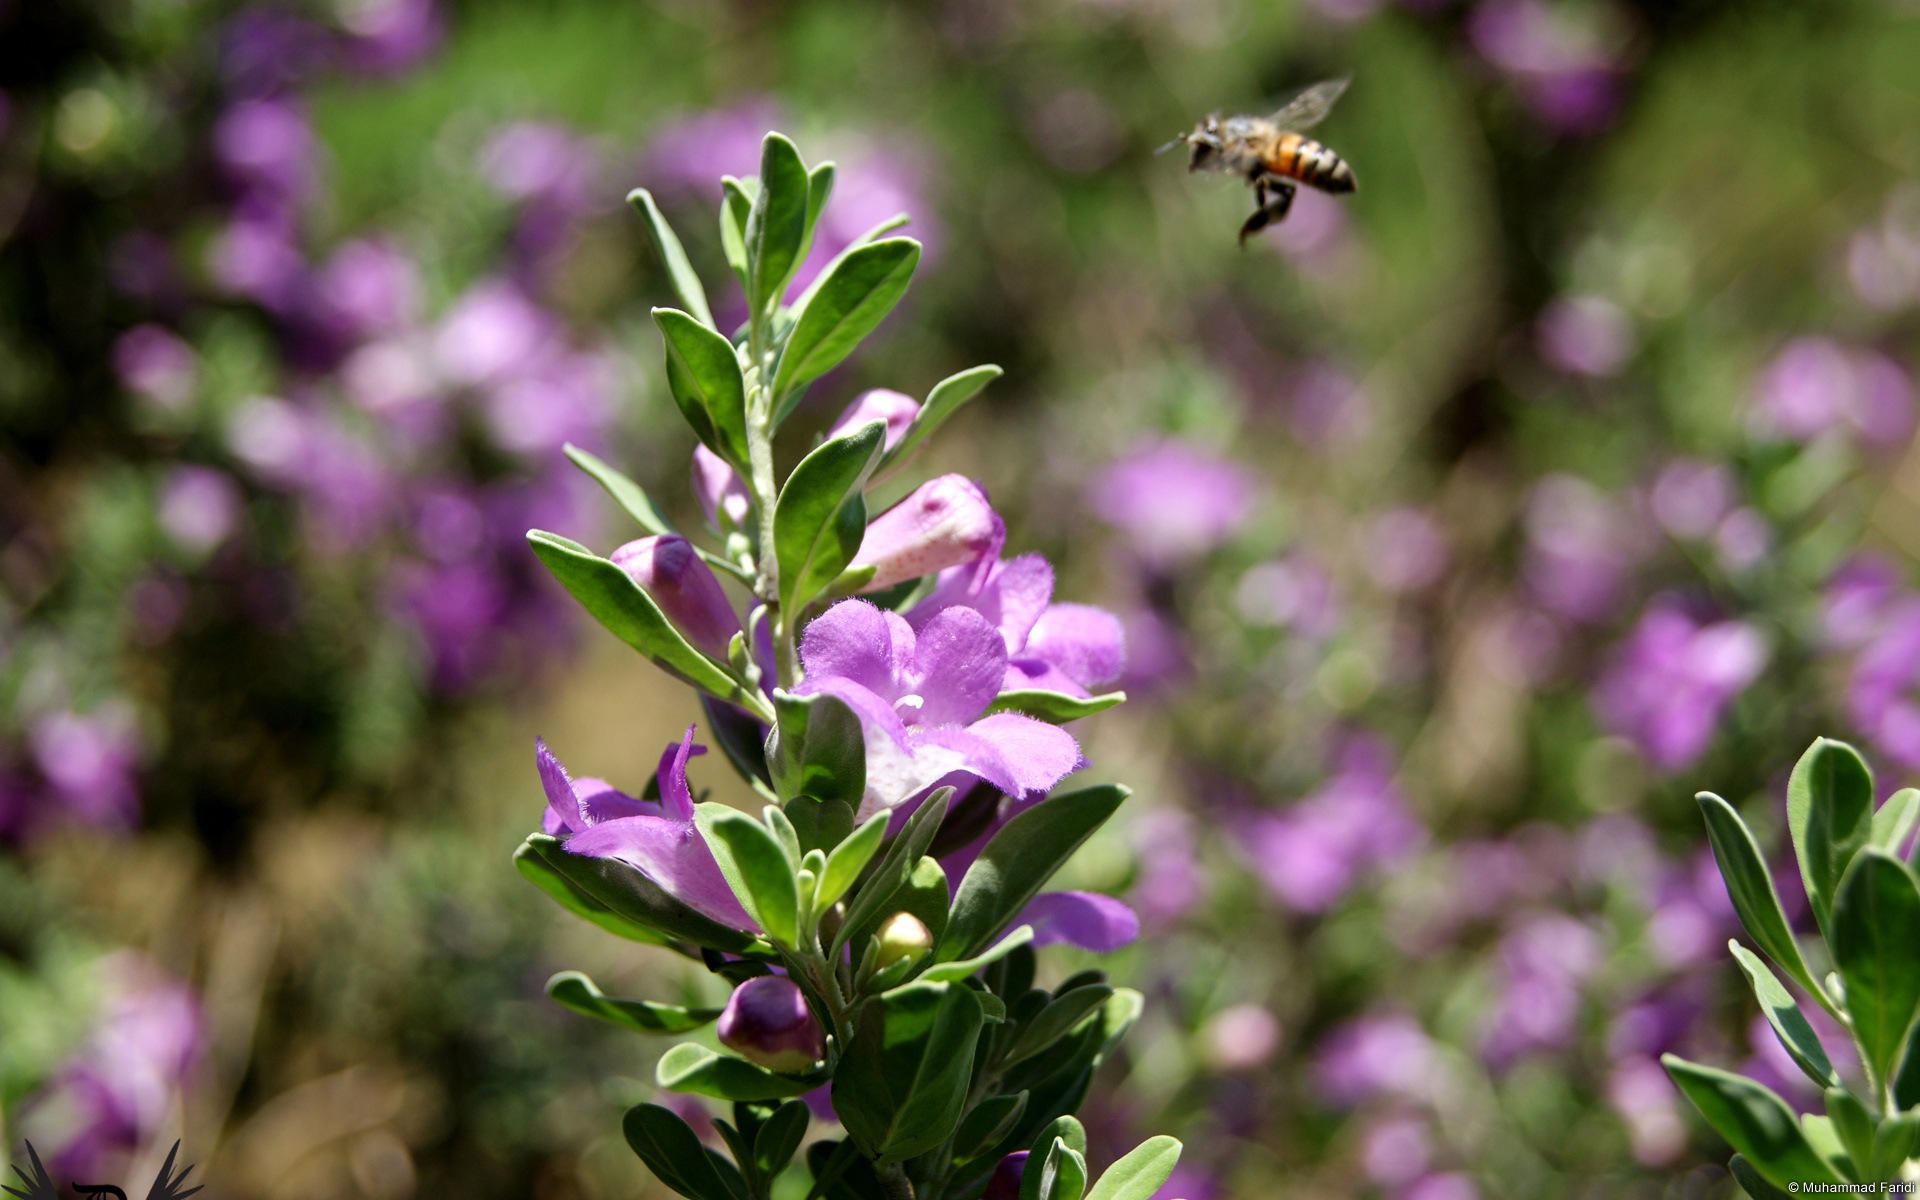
[{"x": 1177, "y": 139}]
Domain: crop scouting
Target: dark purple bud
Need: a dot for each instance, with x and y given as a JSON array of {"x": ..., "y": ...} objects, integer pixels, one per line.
[
  {"x": 1005, "y": 1184},
  {"x": 719, "y": 490},
  {"x": 670, "y": 571},
  {"x": 767, "y": 1021}
]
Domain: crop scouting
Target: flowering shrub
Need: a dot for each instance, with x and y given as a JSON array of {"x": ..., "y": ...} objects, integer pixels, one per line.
[{"x": 898, "y": 694}]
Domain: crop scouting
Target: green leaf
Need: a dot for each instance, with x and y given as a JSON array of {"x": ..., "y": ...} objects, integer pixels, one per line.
[
  {"x": 991, "y": 1120},
  {"x": 817, "y": 749},
  {"x": 1751, "y": 888},
  {"x": 672, "y": 1151},
  {"x": 777, "y": 222},
  {"x": 1894, "y": 823},
  {"x": 1754, "y": 1183},
  {"x": 1056, "y": 1020},
  {"x": 673, "y": 256},
  {"x": 1825, "y": 1140},
  {"x": 1018, "y": 861},
  {"x": 735, "y": 204},
  {"x": 875, "y": 897},
  {"x": 819, "y": 188},
  {"x": 630, "y": 496},
  {"x": 1853, "y": 1125},
  {"x": 1066, "y": 1131},
  {"x": 1756, "y": 1122},
  {"x": 942, "y": 402},
  {"x": 756, "y": 867},
  {"x": 1795, "y": 1034},
  {"x": 1906, "y": 1078},
  {"x": 574, "y": 899},
  {"x": 774, "y": 1146},
  {"x": 1055, "y": 708},
  {"x": 821, "y": 824},
  {"x": 571, "y": 989},
  {"x": 854, "y": 296},
  {"x": 635, "y": 898},
  {"x": 626, "y": 610},
  {"x": 1139, "y": 1174},
  {"x": 850, "y": 858},
  {"x": 1063, "y": 1176},
  {"x": 820, "y": 519},
  {"x": 1876, "y": 927},
  {"x": 710, "y": 368},
  {"x": 900, "y": 1085},
  {"x": 691, "y": 1067},
  {"x": 967, "y": 966},
  {"x": 1893, "y": 1144},
  {"x": 1830, "y": 814},
  {"x": 866, "y": 238}
]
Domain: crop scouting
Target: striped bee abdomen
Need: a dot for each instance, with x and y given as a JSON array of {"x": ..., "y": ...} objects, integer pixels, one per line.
[{"x": 1301, "y": 158}]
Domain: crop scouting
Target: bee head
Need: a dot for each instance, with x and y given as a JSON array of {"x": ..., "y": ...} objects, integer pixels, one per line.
[{"x": 1203, "y": 143}]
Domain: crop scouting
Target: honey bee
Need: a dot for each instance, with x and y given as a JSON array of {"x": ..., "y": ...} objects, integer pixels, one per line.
[{"x": 1271, "y": 153}]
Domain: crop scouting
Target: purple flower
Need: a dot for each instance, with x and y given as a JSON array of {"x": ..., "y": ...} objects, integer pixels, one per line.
[
  {"x": 199, "y": 507},
  {"x": 1170, "y": 880},
  {"x": 1881, "y": 689},
  {"x": 1816, "y": 384},
  {"x": 1545, "y": 958},
  {"x": 368, "y": 288},
  {"x": 767, "y": 1021},
  {"x": 494, "y": 330},
  {"x": 668, "y": 569},
  {"x": 1293, "y": 593},
  {"x": 1310, "y": 855},
  {"x": 1377, "y": 1054},
  {"x": 258, "y": 259},
  {"x": 945, "y": 522},
  {"x": 1173, "y": 501},
  {"x": 1407, "y": 550},
  {"x": 561, "y": 396},
  {"x": 688, "y": 156},
  {"x": 1328, "y": 406},
  {"x": 1007, "y": 1174},
  {"x": 262, "y": 51},
  {"x": 718, "y": 488},
  {"x": 1395, "y": 1150},
  {"x": 387, "y": 36},
  {"x": 535, "y": 161},
  {"x": 1690, "y": 498},
  {"x": 348, "y": 487},
  {"x": 156, "y": 366},
  {"x": 1565, "y": 60},
  {"x": 1581, "y": 545},
  {"x": 88, "y": 761},
  {"x": 1668, "y": 683},
  {"x": 117, "y": 1090},
  {"x": 1585, "y": 335},
  {"x": 1066, "y": 648},
  {"x": 1857, "y": 598},
  {"x": 1448, "y": 1186},
  {"x": 1084, "y": 919},
  {"x": 268, "y": 150},
  {"x": 1188, "y": 1182},
  {"x": 1240, "y": 1037},
  {"x": 920, "y": 696},
  {"x": 656, "y": 837},
  {"x": 878, "y": 404},
  {"x": 1646, "y": 1100}
]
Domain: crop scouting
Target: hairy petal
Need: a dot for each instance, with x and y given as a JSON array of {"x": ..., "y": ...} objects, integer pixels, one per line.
[
  {"x": 1039, "y": 754},
  {"x": 1087, "y": 644},
  {"x": 958, "y": 664},
  {"x": 676, "y": 797},
  {"x": 672, "y": 854},
  {"x": 852, "y": 641}
]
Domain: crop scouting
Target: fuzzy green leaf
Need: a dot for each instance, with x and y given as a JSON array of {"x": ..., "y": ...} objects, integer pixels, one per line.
[
  {"x": 1751, "y": 887},
  {"x": 1055, "y": 708},
  {"x": 709, "y": 368},
  {"x": 756, "y": 867},
  {"x": 854, "y": 296},
  {"x": 1789, "y": 1025},
  {"x": 1876, "y": 926},
  {"x": 573, "y": 990},
  {"x": 1830, "y": 814},
  {"x": 673, "y": 256},
  {"x": 820, "y": 518},
  {"x": 672, "y": 1151},
  {"x": 1756, "y": 1122},
  {"x": 1018, "y": 861},
  {"x": 943, "y": 401},
  {"x": 1139, "y": 1174},
  {"x": 690, "y": 1067},
  {"x": 777, "y": 223},
  {"x": 902, "y": 1080}
]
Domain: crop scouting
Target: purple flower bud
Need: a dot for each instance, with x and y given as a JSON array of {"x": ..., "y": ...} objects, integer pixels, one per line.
[
  {"x": 945, "y": 522},
  {"x": 670, "y": 571},
  {"x": 903, "y": 938},
  {"x": 896, "y": 409},
  {"x": 1005, "y": 1184},
  {"x": 767, "y": 1021},
  {"x": 719, "y": 490}
]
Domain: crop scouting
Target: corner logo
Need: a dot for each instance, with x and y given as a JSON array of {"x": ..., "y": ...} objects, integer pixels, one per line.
[{"x": 39, "y": 1186}]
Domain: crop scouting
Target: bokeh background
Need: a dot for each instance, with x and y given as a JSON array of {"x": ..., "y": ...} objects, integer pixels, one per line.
[{"x": 1463, "y": 528}]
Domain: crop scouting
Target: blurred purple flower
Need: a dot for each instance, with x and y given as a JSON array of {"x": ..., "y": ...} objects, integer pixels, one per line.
[
  {"x": 88, "y": 762},
  {"x": 1816, "y": 384},
  {"x": 1581, "y": 545},
  {"x": 1406, "y": 550},
  {"x": 154, "y": 364},
  {"x": 1396, "y": 1150},
  {"x": 1449, "y": 1186},
  {"x": 257, "y": 259},
  {"x": 117, "y": 1090},
  {"x": 268, "y": 151},
  {"x": 1646, "y": 1100},
  {"x": 1173, "y": 501},
  {"x": 1374, "y": 1055},
  {"x": 688, "y": 157},
  {"x": 1857, "y": 598},
  {"x": 369, "y": 287},
  {"x": 1881, "y": 691},
  {"x": 1189, "y": 1182},
  {"x": 920, "y": 695},
  {"x": 1585, "y": 335},
  {"x": 1883, "y": 263},
  {"x": 492, "y": 331},
  {"x": 1545, "y": 957},
  {"x": 1170, "y": 880},
  {"x": 198, "y": 507},
  {"x": 1156, "y": 654},
  {"x": 870, "y": 185},
  {"x": 348, "y": 488},
  {"x": 262, "y": 50},
  {"x": 1292, "y": 593},
  {"x": 1668, "y": 683},
  {"x": 1240, "y": 1037},
  {"x": 1312, "y": 853},
  {"x": 388, "y": 36},
  {"x": 1692, "y": 915},
  {"x": 1689, "y": 497},
  {"x": 1566, "y": 61},
  {"x": 561, "y": 396},
  {"x": 1328, "y": 406}
]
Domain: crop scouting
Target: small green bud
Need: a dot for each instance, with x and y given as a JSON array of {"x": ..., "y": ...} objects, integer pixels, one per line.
[{"x": 902, "y": 939}]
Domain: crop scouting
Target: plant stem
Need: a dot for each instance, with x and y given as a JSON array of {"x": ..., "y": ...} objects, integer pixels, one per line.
[
  {"x": 894, "y": 1184},
  {"x": 765, "y": 494}
]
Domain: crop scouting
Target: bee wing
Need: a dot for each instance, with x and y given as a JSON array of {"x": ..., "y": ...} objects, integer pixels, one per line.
[{"x": 1311, "y": 106}]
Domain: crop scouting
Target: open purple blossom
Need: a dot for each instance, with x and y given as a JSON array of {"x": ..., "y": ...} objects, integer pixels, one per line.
[
  {"x": 1817, "y": 384},
  {"x": 1173, "y": 500},
  {"x": 1378, "y": 1054},
  {"x": 1668, "y": 683},
  {"x": 921, "y": 695},
  {"x": 1545, "y": 959},
  {"x": 656, "y": 837},
  {"x": 1070, "y": 648},
  {"x": 1581, "y": 546}
]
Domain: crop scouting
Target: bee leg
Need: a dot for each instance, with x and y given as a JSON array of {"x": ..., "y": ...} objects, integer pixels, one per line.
[{"x": 1275, "y": 197}]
